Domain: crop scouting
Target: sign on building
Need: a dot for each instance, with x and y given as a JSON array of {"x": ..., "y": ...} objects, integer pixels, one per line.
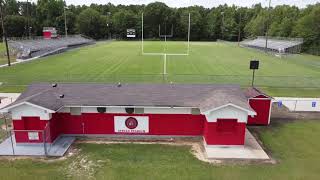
[{"x": 131, "y": 124}]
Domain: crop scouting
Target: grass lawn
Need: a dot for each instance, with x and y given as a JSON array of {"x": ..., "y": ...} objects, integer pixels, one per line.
[
  {"x": 294, "y": 145},
  {"x": 209, "y": 62},
  {"x": 3, "y": 58}
]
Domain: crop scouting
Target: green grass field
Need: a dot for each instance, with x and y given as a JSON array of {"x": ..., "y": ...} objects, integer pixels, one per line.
[
  {"x": 294, "y": 145},
  {"x": 3, "y": 57},
  {"x": 208, "y": 62}
]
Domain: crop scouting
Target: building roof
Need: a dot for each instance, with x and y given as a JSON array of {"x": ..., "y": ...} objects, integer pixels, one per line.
[
  {"x": 204, "y": 96},
  {"x": 252, "y": 92}
]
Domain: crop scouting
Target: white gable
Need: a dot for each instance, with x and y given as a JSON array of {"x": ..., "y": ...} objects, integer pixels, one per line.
[
  {"x": 26, "y": 110},
  {"x": 228, "y": 112}
]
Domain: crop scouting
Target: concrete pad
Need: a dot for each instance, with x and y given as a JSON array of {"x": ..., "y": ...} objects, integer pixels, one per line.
[
  {"x": 251, "y": 150},
  {"x": 8, "y": 98},
  {"x": 300, "y": 104},
  {"x": 58, "y": 148}
]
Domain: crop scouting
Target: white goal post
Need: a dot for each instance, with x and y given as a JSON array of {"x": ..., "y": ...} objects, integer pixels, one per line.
[{"x": 164, "y": 54}]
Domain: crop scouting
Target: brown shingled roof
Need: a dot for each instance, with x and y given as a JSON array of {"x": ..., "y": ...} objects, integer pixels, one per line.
[
  {"x": 252, "y": 92},
  {"x": 202, "y": 96}
]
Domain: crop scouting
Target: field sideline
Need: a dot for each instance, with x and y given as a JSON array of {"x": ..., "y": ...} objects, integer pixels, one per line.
[{"x": 208, "y": 62}]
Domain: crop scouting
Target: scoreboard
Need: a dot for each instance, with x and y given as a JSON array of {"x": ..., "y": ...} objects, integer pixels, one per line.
[{"x": 131, "y": 33}]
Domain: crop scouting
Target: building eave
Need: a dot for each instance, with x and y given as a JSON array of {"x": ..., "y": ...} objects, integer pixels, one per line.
[
  {"x": 8, "y": 108},
  {"x": 249, "y": 111}
]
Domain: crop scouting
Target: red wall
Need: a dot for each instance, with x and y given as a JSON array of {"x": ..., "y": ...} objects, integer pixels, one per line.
[
  {"x": 28, "y": 123},
  {"x": 47, "y": 34},
  {"x": 213, "y": 134},
  {"x": 32, "y": 124},
  {"x": 262, "y": 108},
  {"x": 159, "y": 124}
]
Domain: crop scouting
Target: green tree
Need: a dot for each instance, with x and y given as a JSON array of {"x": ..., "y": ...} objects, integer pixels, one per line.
[
  {"x": 308, "y": 27},
  {"x": 11, "y": 7},
  {"x": 123, "y": 20},
  {"x": 71, "y": 23},
  {"x": 91, "y": 23},
  {"x": 15, "y": 25}
]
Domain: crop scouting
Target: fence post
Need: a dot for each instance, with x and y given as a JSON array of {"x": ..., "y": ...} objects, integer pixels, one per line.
[
  {"x": 44, "y": 142},
  {"x": 12, "y": 146},
  {"x": 10, "y": 135}
]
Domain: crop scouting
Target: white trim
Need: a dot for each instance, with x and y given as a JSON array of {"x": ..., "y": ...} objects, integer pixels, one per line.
[
  {"x": 270, "y": 112},
  {"x": 230, "y": 104},
  {"x": 156, "y": 107},
  {"x": 26, "y": 103},
  {"x": 218, "y": 145},
  {"x": 261, "y": 98}
]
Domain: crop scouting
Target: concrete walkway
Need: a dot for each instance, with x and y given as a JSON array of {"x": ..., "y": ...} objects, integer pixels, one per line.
[
  {"x": 250, "y": 151},
  {"x": 57, "y": 149}
]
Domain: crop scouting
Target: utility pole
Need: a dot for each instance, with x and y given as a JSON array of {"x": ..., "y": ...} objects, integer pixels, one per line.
[
  {"x": 4, "y": 33},
  {"x": 266, "y": 47}
]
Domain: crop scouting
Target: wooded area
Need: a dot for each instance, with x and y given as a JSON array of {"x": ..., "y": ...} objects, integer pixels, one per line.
[{"x": 222, "y": 22}]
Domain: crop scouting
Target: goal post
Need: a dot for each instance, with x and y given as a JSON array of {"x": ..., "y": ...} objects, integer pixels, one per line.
[
  {"x": 165, "y": 36},
  {"x": 164, "y": 54}
]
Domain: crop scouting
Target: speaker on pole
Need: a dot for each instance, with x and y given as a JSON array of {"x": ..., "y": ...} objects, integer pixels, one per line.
[{"x": 254, "y": 64}]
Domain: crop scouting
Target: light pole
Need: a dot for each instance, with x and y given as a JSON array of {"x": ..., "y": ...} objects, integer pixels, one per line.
[
  {"x": 239, "y": 34},
  {"x": 222, "y": 27},
  {"x": 65, "y": 22},
  {"x": 28, "y": 20},
  {"x": 108, "y": 24},
  {"x": 4, "y": 32},
  {"x": 267, "y": 28}
]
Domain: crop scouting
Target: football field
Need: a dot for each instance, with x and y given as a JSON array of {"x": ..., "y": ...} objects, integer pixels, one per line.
[{"x": 207, "y": 62}]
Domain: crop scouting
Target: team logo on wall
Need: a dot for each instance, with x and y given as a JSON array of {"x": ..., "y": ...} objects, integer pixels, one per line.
[{"x": 131, "y": 123}]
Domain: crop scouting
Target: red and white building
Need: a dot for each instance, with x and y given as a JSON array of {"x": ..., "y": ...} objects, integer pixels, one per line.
[
  {"x": 218, "y": 113},
  {"x": 49, "y": 32}
]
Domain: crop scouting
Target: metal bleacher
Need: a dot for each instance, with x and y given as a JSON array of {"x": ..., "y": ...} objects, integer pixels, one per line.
[
  {"x": 278, "y": 45},
  {"x": 38, "y": 47}
]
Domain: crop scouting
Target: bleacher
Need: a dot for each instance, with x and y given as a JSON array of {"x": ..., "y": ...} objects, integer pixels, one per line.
[
  {"x": 277, "y": 45},
  {"x": 38, "y": 47}
]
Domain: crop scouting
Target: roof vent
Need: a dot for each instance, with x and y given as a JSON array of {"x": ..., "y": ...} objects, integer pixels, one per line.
[
  {"x": 61, "y": 96},
  {"x": 54, "y": 85},
  {"x": 119, "y": 84}
]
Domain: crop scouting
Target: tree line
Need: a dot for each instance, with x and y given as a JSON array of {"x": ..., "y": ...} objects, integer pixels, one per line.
[{"x": 207, "y": 24}]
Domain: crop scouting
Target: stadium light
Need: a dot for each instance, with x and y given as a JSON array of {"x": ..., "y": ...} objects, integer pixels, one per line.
[
  {"x": 222, "y": 27},
  {"x": 4, "y": 32},
  {"x": 239, "y": 33},
  {"x": 65, "y": 20},
  {"x": 266, "y": 47}
]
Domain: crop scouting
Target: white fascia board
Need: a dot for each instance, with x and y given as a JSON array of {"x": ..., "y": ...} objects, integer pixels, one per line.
[
  {"x": 251, "y": 113},
  {"x": 156, "y": 107},
  {"x": 26, "y": 103}
]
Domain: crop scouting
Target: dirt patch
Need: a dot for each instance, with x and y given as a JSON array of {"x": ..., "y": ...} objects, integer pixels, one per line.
[
  {"x": 197, "y": 149},
  {"x": 82, "y": 167}
]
